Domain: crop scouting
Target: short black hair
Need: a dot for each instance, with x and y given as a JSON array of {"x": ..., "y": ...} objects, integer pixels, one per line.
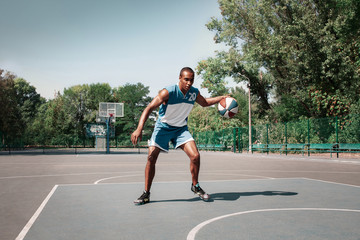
[{"x": 187, "y": 69}]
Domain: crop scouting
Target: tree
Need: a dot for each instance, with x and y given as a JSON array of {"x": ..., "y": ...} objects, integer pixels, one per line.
[
  {"x": 135, "y": 98},
  {"x": 28, "y": 102},
  {"x": 81, "y": 103},
  {"x": 230, "y": 64},
  {"x": 38, "y": 131},
  {"x": 74, "y": 105},
  {"x": 302, "y": 46},
  {"x": 59, "y": 123},
  {"x": 98, "y": 92},
  {"x": 10, "y": 118}
]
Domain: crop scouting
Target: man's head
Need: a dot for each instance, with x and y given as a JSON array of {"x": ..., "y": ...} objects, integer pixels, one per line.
[
  {"x": 187, "y": 69},
  {"x": 186, "y": 79}
]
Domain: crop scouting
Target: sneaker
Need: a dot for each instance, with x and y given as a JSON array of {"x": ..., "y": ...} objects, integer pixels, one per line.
[
  {"x": 144, "y": 198},
  {"x": 198, "y": 190}
]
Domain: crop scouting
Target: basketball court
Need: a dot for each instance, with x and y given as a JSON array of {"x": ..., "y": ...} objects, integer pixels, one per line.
[{"x": 254, "y": 196}]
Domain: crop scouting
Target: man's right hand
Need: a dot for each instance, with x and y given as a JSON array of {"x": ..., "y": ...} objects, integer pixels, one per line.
[{"x": 136, "y": 136}]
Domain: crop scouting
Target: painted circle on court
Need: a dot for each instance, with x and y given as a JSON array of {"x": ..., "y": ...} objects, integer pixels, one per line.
[{"x": 282, "y": 223}]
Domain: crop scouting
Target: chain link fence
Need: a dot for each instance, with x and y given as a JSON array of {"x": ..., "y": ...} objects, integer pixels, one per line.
[
  {"x": 307, "y": 135},
  {"x": 333, "y": 134}
]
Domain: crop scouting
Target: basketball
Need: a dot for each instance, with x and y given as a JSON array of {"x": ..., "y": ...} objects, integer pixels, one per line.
[{"x": 228, "y": 107}]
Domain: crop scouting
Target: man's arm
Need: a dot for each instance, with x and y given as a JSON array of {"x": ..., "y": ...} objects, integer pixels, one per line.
[
  {"x": 205, "y": 102},
  {"x": 162, "y": 97}
]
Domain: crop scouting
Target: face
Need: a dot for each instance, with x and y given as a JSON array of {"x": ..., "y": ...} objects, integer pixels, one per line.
[{"x": 186, "y": 81}]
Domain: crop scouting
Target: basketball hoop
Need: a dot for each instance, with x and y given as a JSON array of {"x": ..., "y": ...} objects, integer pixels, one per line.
[
  {"x": 108, "y": 112},
  {"x": 112, "y": 117}
]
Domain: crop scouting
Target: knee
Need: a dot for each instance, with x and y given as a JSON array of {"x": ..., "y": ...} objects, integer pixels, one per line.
[
  {"x": 152, "y": 157},
  {"x": 195, "y": 158}
]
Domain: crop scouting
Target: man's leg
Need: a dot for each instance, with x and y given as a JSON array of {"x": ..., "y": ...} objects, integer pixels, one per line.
[
  {"x": 150, "y": 167},
  {"x": 149, "y": 175},
  {"x": 191, "y": 150},
  {"x": 193, "y": 153}
]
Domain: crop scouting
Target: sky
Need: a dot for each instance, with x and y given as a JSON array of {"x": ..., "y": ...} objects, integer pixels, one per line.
[{"x": 56, "y": 44}]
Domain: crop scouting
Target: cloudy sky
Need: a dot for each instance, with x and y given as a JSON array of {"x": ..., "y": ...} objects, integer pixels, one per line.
[{"x": 56, "y": 44}]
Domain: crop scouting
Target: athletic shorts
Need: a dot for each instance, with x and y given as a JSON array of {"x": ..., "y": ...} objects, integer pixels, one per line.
[{"x": 163, "y": 134}]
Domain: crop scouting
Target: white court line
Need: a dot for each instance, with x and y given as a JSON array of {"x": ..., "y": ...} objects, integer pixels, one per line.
[
  {"x": 207, "y": 181},
  {"x": 195, "y": 230},
  {"x": 304, "y": 158},
  {"x": 178, "y": 172},
  {"x": 345, "y": 184},
  {"x": 36, "y": 215},
  {"x": 94, "y": 173},
  {"x": 122, "y": 176},
  {"x": 61, "y": 175},
  {"x": 167, "y": 182},
  {"x": 236, "y": 174},
  {"x": 291, "y": 171}
]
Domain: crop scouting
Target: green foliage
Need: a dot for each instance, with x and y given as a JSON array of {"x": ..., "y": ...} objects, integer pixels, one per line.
[
  {"x": 300, "y": 45},
  {"x": 330, "y": 105},
  {"x": 215, "y": 71},
  {"x": 98, "y": 92},
  {"x": 19, "y": 104},
  {"x": 242, "y": 97},
  {"x": 31, "y": 120},
  {"x": 349, "y": 128},
  {"x": 135, "y": 98},
  {"x": 214, "y": 76},
  {"x": 286, "y": 109},
  {"x": 28, "y": 102},
  {"x": 10, "y": 117}
]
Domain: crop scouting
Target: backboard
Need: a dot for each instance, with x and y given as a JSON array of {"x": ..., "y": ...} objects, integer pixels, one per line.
[{"x": 107, "y": 109}]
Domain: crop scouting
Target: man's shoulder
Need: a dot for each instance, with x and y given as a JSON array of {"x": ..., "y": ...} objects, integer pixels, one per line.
[
  {"x": 171, "y": 88},
  {"x": 194, "y": 89}
]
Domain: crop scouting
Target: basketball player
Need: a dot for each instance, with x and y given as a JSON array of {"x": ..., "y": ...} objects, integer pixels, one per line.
[{"x": 175, "y": 104}]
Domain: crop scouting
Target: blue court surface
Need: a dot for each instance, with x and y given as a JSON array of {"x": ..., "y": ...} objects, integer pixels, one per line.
[{"x": 272, "y": 208}]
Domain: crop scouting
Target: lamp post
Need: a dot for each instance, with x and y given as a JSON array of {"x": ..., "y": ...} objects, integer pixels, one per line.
[
  {"x": 250, "y": 137},
  {"x": 248, "y": 85}
]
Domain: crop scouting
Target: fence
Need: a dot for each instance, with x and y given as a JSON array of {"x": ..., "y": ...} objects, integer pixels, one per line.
[
  {"x": 308, "y": 135},
  {"x": 66, "y": 144},
  {"x": 332, "y": 135}
]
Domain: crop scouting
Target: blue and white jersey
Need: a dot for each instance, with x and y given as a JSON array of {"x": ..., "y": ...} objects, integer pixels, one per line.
[{"x": 175, "y": 113}]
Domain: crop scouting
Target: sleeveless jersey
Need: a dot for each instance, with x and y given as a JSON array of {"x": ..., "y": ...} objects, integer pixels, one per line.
[{"x": 175, "y": 113}]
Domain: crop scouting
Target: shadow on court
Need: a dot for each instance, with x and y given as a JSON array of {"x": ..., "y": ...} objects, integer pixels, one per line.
[{"x": 230, "y": 196}]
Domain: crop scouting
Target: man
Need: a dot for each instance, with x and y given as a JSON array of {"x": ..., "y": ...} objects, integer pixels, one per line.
[{"x": 175, "y": 104}]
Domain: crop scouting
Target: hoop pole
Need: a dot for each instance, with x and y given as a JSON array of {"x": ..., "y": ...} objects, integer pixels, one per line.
[{"x": 107, "y": 135}]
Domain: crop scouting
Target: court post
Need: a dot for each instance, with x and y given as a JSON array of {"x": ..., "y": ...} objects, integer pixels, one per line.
[
  {"x": 234, "y": 140},
  {"x": 240, "y": 140},
  {"x": 250, "y": 140},
  {"x": 285, "y": 138},
  {"x": 337, "y": 129},
  {"x": 107, "y": 135},
  {"x": 337, "y": 136},
  {"x": 308, "y": 125},
  {"x": 267, "y": 138}
]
